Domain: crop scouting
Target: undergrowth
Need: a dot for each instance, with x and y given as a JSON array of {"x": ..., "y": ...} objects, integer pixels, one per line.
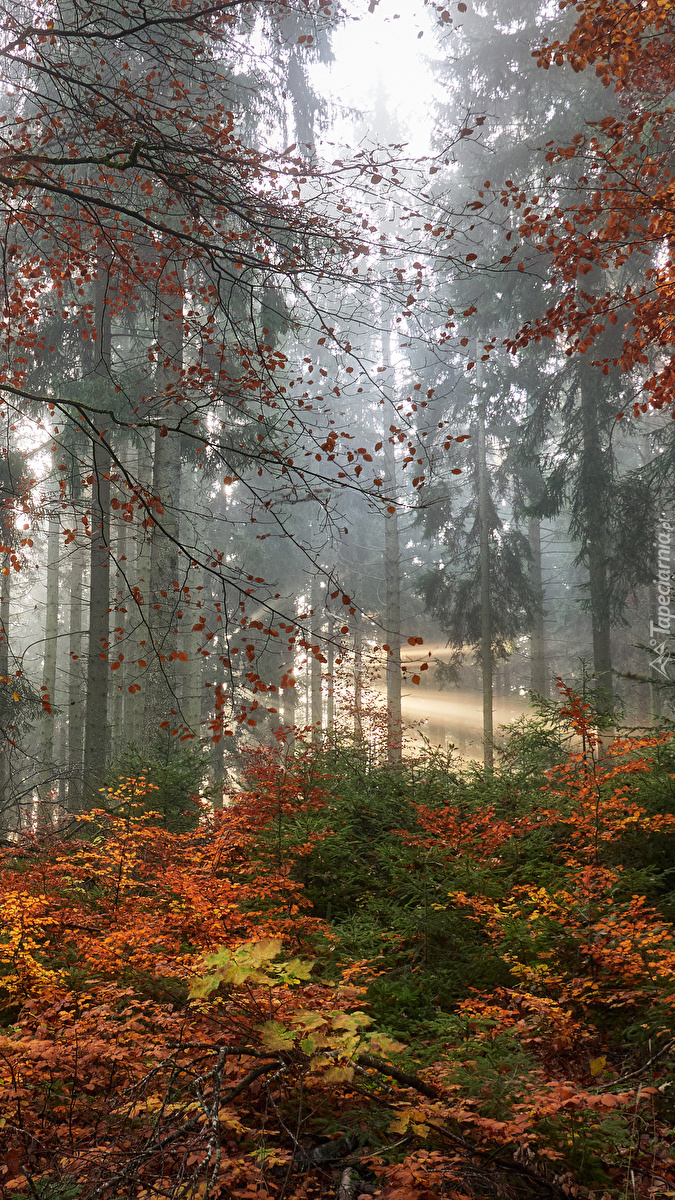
[{"x": 417, "y": 981}]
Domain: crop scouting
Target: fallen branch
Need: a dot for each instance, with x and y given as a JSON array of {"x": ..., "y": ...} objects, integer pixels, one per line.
[{"x": 411, "y": 1081}]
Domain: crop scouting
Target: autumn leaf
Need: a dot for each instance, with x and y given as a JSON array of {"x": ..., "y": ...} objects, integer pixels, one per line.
[
  {"x": 275, "y": 1036},
  {"x": 384, "y": 1044},
  {"x": 339, "y": 1075}
]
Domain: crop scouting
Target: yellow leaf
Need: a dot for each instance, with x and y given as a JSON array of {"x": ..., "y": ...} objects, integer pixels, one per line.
[
  {"x": 259, "y": 952},
  {"x": 201, "y": 987},
  {"x": 296, "y": 969},
  {"x": 597, "y": 1066},
  {"x": 276, "y": 1036},
  {"x": 309, "y": 1019},
  {"x": 399, "y": 1124},
  {"x": 339, "y": 1075},
  {"x": 351, "y": 1021},
  {"x": 385, "y": 1045}
]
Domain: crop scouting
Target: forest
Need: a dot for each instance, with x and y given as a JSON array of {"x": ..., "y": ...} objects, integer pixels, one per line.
[{"x": 337, "y": 855}]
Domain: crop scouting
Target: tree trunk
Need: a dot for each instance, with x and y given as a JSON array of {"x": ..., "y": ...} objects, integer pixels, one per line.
[
  {"x": 191, "y": 700},
  {"x": 392, "y": 573},
  {"x": 485, "y": 605},
  {"x": 358, "y": 675},
  {"x": 5, "y": 595},
  {"x": 138, "y": 604},
  {"x": 61, "y": 751},
  {"x": 538, "y": 671},
  {"x": 290, "y": 698},
  {"x": 5, "y": 613},
  {"x": 49, "y": 662},
  {"x": 96, "y": 731},
  {"x": 161, "y": 676},
  {"x": 330, "y": 679},
  {"x": 316, "y": 698},
  {"x": 119, "y": 641},
  {"x": 75, "y": 679},
  {"x": 218, "y": 773},
  {"x": 593, "y": 485}
]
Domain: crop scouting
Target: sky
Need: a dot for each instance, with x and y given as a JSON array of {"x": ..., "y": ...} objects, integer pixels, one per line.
[{"x": 382, "y": 52}]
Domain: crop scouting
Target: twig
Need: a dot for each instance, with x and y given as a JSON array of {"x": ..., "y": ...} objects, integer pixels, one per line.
[{"x": 631, "y": 1075}]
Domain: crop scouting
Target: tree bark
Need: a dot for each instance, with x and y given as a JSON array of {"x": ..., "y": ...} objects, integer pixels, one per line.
[
  {"x": 330, "y": 679},
  {"x": 218, "y": 773},
  {"x": 49, "y": 661},
  {"x": 392, "y": 573},
  {"x": 316, "y": 698},
  {"x": 5, "y": 614},
  {"x": 161, "y": 675},
  {"x": 485, "y": 605},
  {"x": 538, "y": 671},
  {"x": 594, "y": 500},
  {"x": 290, "y": 698},
  {"x": 191, "y": 700},
  {"x": 5, "y": 596},
  {"x": 138, "y": 603},
  {"x": 96, "y": 732},
  {"x": 358, "y": 674},
  {"x": 119, "y": 641},
  {"x": 76, "y": 679}
]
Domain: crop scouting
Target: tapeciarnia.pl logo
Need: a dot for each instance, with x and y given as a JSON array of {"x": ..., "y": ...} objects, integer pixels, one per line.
[{"x": 659, "y": 630}]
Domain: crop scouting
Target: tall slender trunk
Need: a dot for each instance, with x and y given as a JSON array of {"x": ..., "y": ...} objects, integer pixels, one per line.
[
  {"x": 161, "y": 674},
  {"x": 119, "y": 643},
  {"x": 49, "y": 661},
  {"x": 290, "y": 697},
  {"x": 538, "y": 671},
  {"x": 191, "y": 699},
  {"x": 96, "y": 732},
  {"x": 161, "y": 677},
  {"x": 217, "y": 670},
  {"x": 218, "y": 774},
  {"x": 316, "y": 698},
  {"x": 392, "y": 576},
  {"x": 485, "y": 604},
  {"x": 75, "y": 678},
  {"x": 330, "y": 679},
  {"x": 392, "y": 573},
  {"x": 5, "y": 614},
  {"x": 138, "y": 604},
  {"x": 61, "y": 745},
  {"x": 594, "y": 499},
  {"x": 5, "y": 597},
  {"x": 358, "y": 673}
]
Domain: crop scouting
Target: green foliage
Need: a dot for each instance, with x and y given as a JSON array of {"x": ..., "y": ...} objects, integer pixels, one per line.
[
  {"x": 20, "y": 705},
  {"x": 177, "y": 773},
  {"x": 386, "y": 900},
  {"x": 533, "y": 744},
  {"x": 55, "y": 1189}
]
